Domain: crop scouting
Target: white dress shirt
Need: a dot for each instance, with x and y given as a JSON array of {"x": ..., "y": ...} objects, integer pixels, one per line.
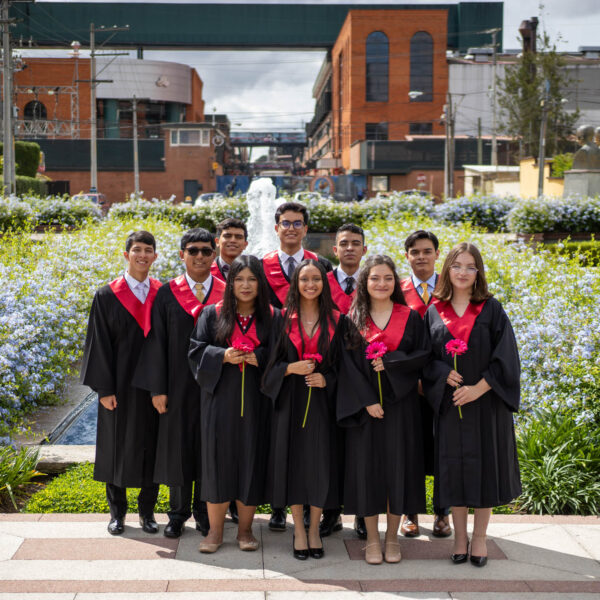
[
  {"x": 206, "y": 284},
  {"x": 430, "y": 284},
  {"x": 283, "y": 258},
  {"x": 342, "y": 276},
  {"x": 140, "y": 289}
]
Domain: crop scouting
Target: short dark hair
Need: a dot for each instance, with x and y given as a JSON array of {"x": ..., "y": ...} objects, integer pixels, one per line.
[
  {"x": 144, "y": 237},
  {"x": 197, "y": 234},
  {"x": 352, "y": 228},
  {"x": 230, "y": 222},
  {"x": 294, "y": 207},
  {"x": 421, "y": 234}
]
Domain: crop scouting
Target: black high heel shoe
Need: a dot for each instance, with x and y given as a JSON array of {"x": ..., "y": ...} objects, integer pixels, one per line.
[
  {"x": 299, "y": 554},
  {"x": 317, "y": 552},
  {"x": 479, "y": 561},
  {"x": 459, "y": 559}
]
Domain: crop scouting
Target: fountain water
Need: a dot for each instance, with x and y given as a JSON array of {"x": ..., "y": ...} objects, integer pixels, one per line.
[{"x": 262, "y": 204}]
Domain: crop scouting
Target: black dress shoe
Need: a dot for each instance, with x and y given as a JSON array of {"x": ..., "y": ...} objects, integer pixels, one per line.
[
  {"x": 317, "y": 552},
  {"x": 306, "y": 515},
  {"x": 174, "y": 528},
  {"x": 203, "y": 524},
  {"x": 330, "y": 523},
  {"x": 360, "y": 528},
  {"x": 478, "y": 561},
  {"x": 149, "y": 524},
  {"x": 459, "y": 559},
  {"x": 277, "y": 520},
  {"x": 299, "y": 554},
  {"x": 233, "y": 513},
  {"x": 116, "y": 526}
]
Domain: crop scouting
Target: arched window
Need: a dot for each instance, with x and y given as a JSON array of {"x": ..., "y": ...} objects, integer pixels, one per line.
[
  {"x": 421, "y": 66},
  {"x": 35, "y": 111},
  {"x": 377, "y": 53}
]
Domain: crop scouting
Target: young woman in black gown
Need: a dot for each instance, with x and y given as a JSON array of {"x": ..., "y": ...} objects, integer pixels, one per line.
[
  {"x": 303, "y": 459},
  {"x": 234, "y": 446},
  {"x": 476, "y": 462},
  {"x": 384, "y": 470}
]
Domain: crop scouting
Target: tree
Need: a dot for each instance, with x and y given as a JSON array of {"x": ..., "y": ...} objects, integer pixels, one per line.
[{"x": 521, "y": 94}]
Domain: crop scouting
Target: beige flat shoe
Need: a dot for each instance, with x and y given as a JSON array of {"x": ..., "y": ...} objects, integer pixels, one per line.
[
  {"x": 248, "y": 545},
  {"x": 373, "y": 554},
  {"x": 392, "y": 552},
  {"x": 207, "y": 548}
]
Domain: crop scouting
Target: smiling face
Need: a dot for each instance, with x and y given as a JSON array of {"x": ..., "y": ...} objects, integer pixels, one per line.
[
  {"x": 463, "y": 272},
  {"x": 349, "y": 248},
  {"x": 421, "y": 257},
  {"x": 310, "y": 282},
  {"x": 231, "y": 243},
  {"x": 291, "y": 237},
  {"x": 380, "y": 282},
  {"x": 198, "y": 266},
  {"x": 139, "y": 260},
  {"x": 245, "y": 286}
]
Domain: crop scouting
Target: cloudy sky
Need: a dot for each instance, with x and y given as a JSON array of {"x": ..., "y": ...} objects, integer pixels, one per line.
[{"x": 273, "y": 90}]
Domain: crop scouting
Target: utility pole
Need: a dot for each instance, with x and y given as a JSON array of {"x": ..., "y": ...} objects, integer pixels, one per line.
[
  {"x": 479, "y": 143},
  {"x": 93, "y": 83},
  {"x": 494, "y": 62},
  {"x": 541, "y": 157},
  {"x": 7, "y": 108},
  {"x": 136, "y": 164},
  {"x": 449, "y": 150}
]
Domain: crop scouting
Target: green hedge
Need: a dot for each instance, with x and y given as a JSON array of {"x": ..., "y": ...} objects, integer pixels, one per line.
[
  {"x": 588, "y": 253},
  {"x": 27, "y": 157}
]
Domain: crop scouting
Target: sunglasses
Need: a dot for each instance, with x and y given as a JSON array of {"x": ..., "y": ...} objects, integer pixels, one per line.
[
  {"x": 287, "y": 224},
  {"x": 194, "y": 251}
]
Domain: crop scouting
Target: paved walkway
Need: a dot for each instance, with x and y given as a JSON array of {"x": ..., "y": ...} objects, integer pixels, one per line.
[{"x": 72, "y": 557}]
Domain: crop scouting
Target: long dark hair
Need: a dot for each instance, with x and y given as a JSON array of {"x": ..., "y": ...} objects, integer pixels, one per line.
[
  {"x": 361, "y": 306},
  {"x": 262, "y": 310},
  {"x": 326, "y": 307},
  {"x": 443, "y": 289}
]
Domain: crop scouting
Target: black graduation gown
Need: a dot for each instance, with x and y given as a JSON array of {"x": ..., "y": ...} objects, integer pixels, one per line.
[
  {"x": 234, "y": 448},
  {"x": 384, "y": 457},
  {"x": 303, "y": 465},
  {"x": 164, "y": 369},
  {"x": 126, "y": 436},
  {"x": 476, "y": 458}
]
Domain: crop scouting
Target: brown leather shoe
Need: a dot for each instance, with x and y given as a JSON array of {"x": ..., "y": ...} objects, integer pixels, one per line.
[
  {"x": 441, "y": 526},
  {"x": 410, "y": 526}
]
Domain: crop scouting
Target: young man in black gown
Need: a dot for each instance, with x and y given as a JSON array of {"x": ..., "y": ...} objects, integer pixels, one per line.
[
  {"x": 232, "y": 240},
  {"x": 127, "y": 424}
]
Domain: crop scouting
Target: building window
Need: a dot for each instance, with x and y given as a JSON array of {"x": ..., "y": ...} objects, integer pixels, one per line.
[
  {"x": 190, "y": 137},
  {"x": 379, "y": 183},
  {"x": 376, "y": 131},
  {"x": 421, "y": 66},
  {"x": 420, "y": 128},
  {"x": 35, "y": 111},
  {"x": 377, "y": 53}
]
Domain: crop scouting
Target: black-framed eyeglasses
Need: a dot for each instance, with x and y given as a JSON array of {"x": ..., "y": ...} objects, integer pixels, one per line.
[
  {"x": 194, "y": 251},
  {"x": 295, "y": 224}
]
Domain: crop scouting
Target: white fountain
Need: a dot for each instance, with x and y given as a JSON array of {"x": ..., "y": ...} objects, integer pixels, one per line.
[{"x": 262, "y": 204}]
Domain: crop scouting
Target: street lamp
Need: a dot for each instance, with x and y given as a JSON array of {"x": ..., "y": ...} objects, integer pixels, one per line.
[{"x": 414, "y": 94}]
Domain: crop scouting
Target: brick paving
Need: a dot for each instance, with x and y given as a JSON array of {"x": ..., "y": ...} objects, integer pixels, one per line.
[{"x": 72, "y": 557}]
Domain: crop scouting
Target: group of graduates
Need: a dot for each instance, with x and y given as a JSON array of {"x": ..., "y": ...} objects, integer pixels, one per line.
[{"x": 284, "y": 381}]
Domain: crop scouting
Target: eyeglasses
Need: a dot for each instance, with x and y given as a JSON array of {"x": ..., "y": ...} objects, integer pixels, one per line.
[
  {"x": 194, "y": 251},
  {"x": 461, "y": 269},
  {"x": 287, "y": 224}
]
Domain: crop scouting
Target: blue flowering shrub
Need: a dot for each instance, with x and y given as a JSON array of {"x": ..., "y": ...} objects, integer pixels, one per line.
[
  {"x": 552, "y": 302},
  {"x": 46, "y": 289},
  {"x": 488, "y": 212}
]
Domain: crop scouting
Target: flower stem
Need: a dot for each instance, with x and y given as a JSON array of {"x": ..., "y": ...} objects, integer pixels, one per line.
[
  {"x": 379, "y": 381},
  {"x": 243, "y": 378},
  {"x": 456, "y": 369},
  {"x": 307, "y": 405}
]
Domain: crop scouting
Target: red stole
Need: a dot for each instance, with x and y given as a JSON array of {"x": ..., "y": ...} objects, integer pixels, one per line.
[
  {"x": 342, "y": 300},
  {"x": 459, "y": 327},
  {"x": 140, "y": 312},
  {"x": 311, "y": 345},
  {"x": 216, "y": 272},
  {"x": 276, "y": 277},
  {"x": 187, "y": 299},
  {"x": 413, "y": 298},
  {"x": 393, "y": 333}
]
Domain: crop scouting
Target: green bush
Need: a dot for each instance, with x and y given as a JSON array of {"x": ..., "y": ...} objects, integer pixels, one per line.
[
  {"x": 27, "y": 158},
  {"x": 31, "y": 185},
  {"x": 17, "y": 468},
  {"x": 588, "y": 253},
  {"x": 561, "y": 163},
  {"x": 560, "y": 464},
  {"x": 14, "y": 215}
]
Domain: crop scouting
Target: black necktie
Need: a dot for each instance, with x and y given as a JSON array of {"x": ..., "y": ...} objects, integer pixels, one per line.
[
  {"x": 225, "y": 269},
  {"x": 349, "y": 285}
]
